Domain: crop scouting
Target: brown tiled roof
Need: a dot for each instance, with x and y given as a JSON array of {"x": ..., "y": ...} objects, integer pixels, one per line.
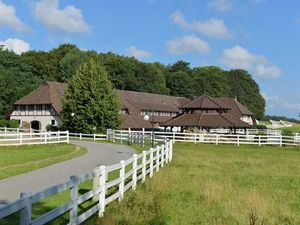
[
  {"x": 134, "y": 122},
  {"x": 50, "y": 93},
  {"x": 209, "y": 120},
  {"x": 236, "y": 107},
  {"x": 152, "y": 102},
  {"x": 205, "y": 102}
]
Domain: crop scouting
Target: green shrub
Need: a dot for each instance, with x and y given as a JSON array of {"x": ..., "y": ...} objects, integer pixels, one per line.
[
  {"x": 50, "y": 127},
  {"x": 287, "y": 132},
  {"x": 259, "y": 127},
  {"x": 9, "y": 123}
]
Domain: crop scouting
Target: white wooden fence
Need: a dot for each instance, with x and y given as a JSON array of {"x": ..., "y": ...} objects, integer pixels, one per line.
[
  {"x": 104, "y": 190},
  {"x": 237, "y": 139},
  {"x": 21, "y": 138}
]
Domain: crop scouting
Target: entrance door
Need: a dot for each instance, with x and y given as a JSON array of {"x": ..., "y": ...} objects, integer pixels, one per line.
[{"x": 35, "y": 125}]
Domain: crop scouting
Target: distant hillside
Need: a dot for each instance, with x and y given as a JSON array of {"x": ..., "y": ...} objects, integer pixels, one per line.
[
  {"x": 20, "y": 75},
  {"x": 292, "y": 120}
]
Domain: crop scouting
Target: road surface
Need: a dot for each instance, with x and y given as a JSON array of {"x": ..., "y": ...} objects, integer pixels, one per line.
[{"x": 37, "y": 180}]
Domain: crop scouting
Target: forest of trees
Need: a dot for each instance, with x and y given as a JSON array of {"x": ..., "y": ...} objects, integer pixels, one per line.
[{"x": 19, "y": 75}]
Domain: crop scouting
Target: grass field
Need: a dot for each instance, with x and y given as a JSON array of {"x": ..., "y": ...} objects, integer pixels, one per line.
[
  {"x": 22, "y": 159},
  {"x": 217, "y": 185},
  {"x": 294, "y": 129}
]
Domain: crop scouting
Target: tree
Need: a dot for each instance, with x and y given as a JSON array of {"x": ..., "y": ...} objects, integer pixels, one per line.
[
  {"x": 90, "y": 100},
  {"x": 210, "y": 80},
  {"x": 180, "y": 84},
  {"x": 180, "y": 66},
  {"x": 247, "y": 91}
]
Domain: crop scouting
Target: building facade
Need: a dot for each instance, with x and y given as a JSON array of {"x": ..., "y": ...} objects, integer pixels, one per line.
[{"x": 43, "y": 106}]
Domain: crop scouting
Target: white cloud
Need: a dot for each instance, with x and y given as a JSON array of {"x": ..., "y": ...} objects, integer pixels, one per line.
[
  {"x": 8, "y": 18},
  {"x": 16, "y": 45},
  {"x": 69, "y": 19},
  {"x": 274, "y": 101},
  {"x": 241, "y": 58},
  {"x": 137, "y": 53},
  {"x": 187, "y": 44},
  {"x": 220, "y": 5},
  {"x": 212, "y": 27}
]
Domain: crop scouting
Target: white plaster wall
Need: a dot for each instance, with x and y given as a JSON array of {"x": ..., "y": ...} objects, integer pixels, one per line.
[
  {"x": 44, "y": 120},
  {"x": 247, "y": 119}
]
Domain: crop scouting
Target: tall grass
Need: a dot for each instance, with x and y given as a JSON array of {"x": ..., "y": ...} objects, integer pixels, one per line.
[{"x": 217, "y": 185}]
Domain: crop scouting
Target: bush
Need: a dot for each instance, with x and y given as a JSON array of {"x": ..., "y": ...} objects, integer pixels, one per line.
[
  {"x": 50, "y": 127},
  {"x": 259, "y": 127},
  {"x": 9, "y": 123},
  {"x": 287, "y": 132}
]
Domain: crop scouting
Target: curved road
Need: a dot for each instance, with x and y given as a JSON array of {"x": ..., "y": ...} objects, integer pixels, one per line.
[{"x": 98, "y": 154}]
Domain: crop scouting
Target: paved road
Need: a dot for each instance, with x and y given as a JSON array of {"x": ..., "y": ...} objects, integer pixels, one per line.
[{"x": 98, "y": 153}]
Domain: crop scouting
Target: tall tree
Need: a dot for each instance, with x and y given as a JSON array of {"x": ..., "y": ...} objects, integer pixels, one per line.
[
  {"x": 210, "y": 80},
  {"x": 180, "y": 84},
  {"x": 90, "y": 100},
  {"x": 247, "y": 91},
  {"x": 181, "y": 66}
]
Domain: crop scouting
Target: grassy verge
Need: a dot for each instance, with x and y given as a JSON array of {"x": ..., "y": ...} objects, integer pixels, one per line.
[
  {"x": 22, "y": 159},
  {"x": 207, "y": 184},
  {"x": 294, "y": 129}
]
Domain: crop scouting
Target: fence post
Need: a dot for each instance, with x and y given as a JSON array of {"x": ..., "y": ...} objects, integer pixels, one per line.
[
  {"x": 259, "y": 142},
  {"x": 143, "y": 137},
  {"x": 238, "y": 140},
  {"x": 113, "y": 136},
  {"x": 45, "y": 137},
  {"x": 121, "y": 137},
  {"x": 281, "y": 141},
  {"x": 68, "y": 137},
  {"x": 151, "y": 162},
  {"x": 74, "y": 197},
  {"x": 25, "y": 213},
  {"x": 21, "y": 138},
  {"x": 102, "y": 181},
  {"x": 80, "y": 136},
  {"x": 174, "y": 136},
  {"x": 94, "y": 137},
  {"x": 170, "y": 150},
  {"x": 144, "y": 166},
  {"x": 163, "y": 149},
  {"x": 122, "y": 182},
  {"x": 129, "y": 135},
  {"x": 134, "y": 174},
  {"x": 195, "y": 138},
  {"x": 217, "y": 139},
  {"x": 157, "y": 158}
]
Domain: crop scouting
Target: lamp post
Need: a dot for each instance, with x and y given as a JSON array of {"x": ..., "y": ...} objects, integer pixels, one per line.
[
  {"x": 72, "y": 115},
  {"x": 151, "y": 120}
]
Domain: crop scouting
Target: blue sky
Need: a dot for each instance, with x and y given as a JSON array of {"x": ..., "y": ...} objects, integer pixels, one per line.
[{"x": 261, "y": 36}]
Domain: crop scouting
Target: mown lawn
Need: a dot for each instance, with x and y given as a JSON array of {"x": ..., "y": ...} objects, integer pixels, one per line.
[
  {"x": 216, "y": 185},
  {"x": 22, "y": 159}
]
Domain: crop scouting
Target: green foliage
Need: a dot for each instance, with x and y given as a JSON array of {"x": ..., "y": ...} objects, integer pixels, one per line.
[
  {"x": 210, "y": 80},
  {"x": 247, "y": 91},
  {"x": 52, "y": 128},
  {"x": 92, "y": 99},
  {"x": 180, "y": 84},
  {"x": 277, "y": 118},
  {"x": 287, "y": 132},
  {"x": 9, "y": 123},
  {"x": 259, "y": 126},
  {"x": 22, "y": 74}
]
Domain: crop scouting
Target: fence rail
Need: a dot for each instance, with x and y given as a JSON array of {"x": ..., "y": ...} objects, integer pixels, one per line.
[
  {"x": 10, "y": 139},
  {"x": 237, "y": 139},
  {"x": 103, "y": 192}
]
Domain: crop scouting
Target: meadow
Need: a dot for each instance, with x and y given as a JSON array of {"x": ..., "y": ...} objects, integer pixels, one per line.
[{"x": 208, "y": 184}]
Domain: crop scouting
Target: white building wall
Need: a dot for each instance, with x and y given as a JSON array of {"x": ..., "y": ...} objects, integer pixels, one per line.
[
  {"x": 44, "y": 120},
  {"x": 247, "y": 119}
]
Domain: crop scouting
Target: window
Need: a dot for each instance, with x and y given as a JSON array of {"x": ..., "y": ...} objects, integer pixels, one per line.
[
  {"x": 23, "y": 108},
  {"x": 39, "y": 108},
  {"x": 52, "y": 122},
  {"x": 31, "y": 107}
]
